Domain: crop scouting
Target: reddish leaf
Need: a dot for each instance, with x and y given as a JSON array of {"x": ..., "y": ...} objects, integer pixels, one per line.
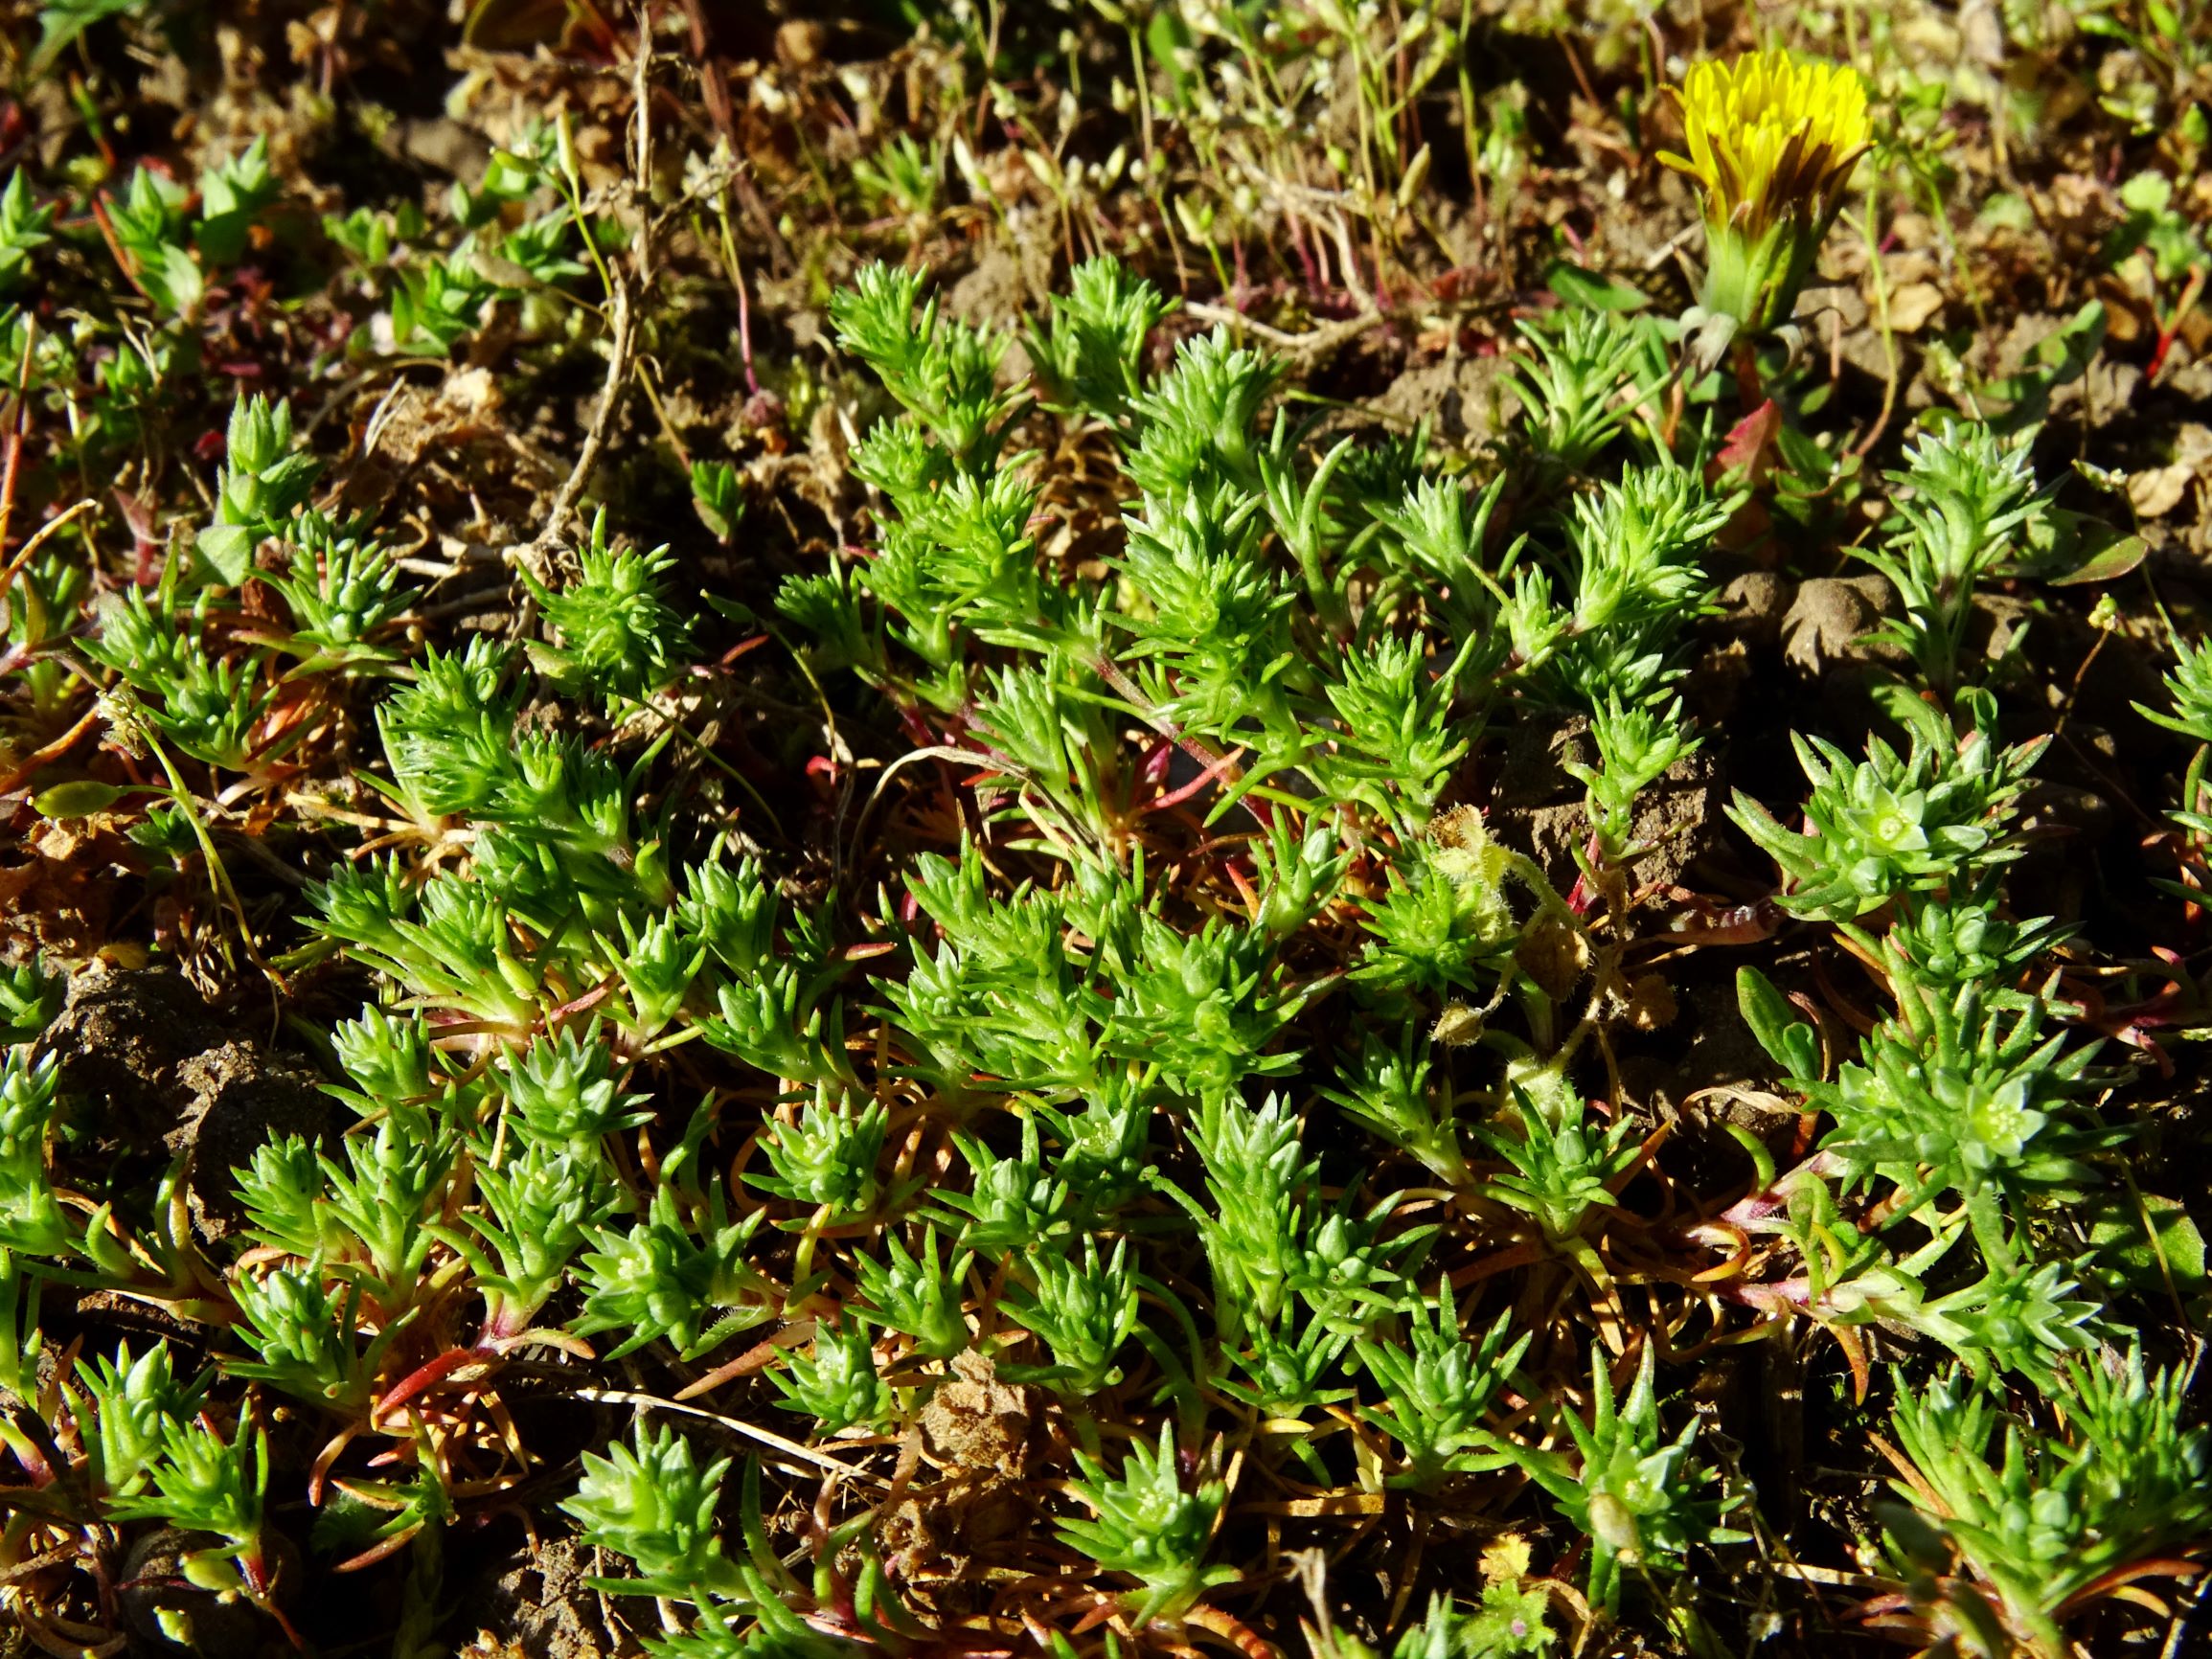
[{"x": 1749, "y": 442}]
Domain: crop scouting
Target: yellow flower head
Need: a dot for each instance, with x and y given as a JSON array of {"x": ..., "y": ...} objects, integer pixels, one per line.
[
  {"x": 1773, "y": 141},
  {"x": 1770, "y": 138}
]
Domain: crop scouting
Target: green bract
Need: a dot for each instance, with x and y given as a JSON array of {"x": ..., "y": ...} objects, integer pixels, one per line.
[
  {"x": 304, "y": 1338},
  {"x": 1634, "y": 581}
]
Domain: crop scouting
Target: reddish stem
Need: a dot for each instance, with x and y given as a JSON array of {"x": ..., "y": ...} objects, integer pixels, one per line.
[
  {"x": 2190, "y": 294},
  {"x": 425, "y": 1377}
]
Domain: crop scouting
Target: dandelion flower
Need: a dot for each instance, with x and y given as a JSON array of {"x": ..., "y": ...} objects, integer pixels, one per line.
[{"x": 1772, "y": 142}]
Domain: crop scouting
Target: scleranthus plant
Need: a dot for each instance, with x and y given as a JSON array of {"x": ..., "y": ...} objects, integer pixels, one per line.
[
  {"x": 206, "y": 1485},
  {"x": 2188, "y": 689},
  {"x": 126, "y": 1408},
  {"x": 262, "y": 485},
  {"x": 1197, "y": 1042},
  {"x": 653, "y": 1501},
  {"x": 1440, "y": 1383},
  {"x": 662, "y": 1280},
  {"x": 837, "y": 1385},
  {"x": 1643, "y": 1500},
  {"x": 31, "y": 1220},
  {"x": 917, "y": 1295},
  {"x": 2013, "y": 1530},
  {"x": 1966, "y": 503},
  {"x": 1507, "y": 1623},
  {"x": 1894, "y": 824},
  {"x": 1772, "y": 142},
  {"x": 1148, "y": 1526},
  {"x": 655, "y": 1505},
  {"x": 1084, "y": 1312},
  {"x": 619, "y": 637}
]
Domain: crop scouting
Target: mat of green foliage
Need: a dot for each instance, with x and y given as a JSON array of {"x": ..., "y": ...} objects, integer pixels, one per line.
[{"x": 1084, "y": 827}]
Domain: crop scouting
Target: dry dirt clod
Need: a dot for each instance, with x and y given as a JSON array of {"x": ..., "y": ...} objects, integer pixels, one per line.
[
  {"x": 146, "y": 1063},
  {"x": 1753, "y": 606},
  {"x": 1463, "y": 399},
  {"x": 1537, "y": 808},
  {"x": 533, "y": 1603},
  {"x": 975, "y": 1429},
  {"x": 1827, "y": 620},
  {"x": 974, "y": 1421}
]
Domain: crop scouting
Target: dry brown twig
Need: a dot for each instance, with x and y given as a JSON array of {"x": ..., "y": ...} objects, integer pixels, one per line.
[
  {"x": 626, "y": 288},
  {"x": 1311, "y": 344}
]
